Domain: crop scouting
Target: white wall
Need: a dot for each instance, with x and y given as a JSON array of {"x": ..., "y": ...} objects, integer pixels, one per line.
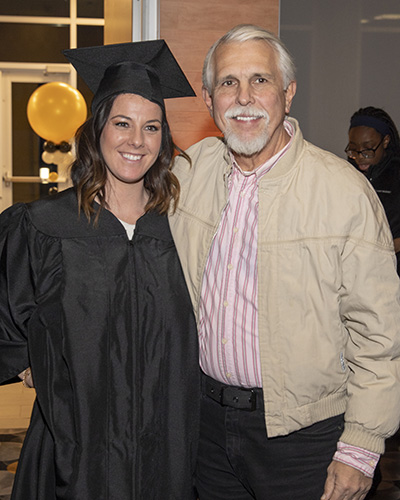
[{"x": 347, "y": 54}]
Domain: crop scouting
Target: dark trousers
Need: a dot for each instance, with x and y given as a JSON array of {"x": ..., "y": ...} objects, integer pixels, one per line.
[{"x": 238, "y": 462}]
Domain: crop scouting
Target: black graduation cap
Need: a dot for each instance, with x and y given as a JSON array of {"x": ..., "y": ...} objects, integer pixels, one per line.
[{"x": 145, "y": 68}]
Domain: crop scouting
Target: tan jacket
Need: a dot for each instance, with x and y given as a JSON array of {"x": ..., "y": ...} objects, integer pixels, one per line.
[{"x": 328, "y": 299}]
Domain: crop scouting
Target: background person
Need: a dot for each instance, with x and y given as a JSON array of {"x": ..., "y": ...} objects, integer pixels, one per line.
[
  {"x": 374, "y": 149},
  {"x": 93, "y": 299},
  {"x": 290, "y": 265}
]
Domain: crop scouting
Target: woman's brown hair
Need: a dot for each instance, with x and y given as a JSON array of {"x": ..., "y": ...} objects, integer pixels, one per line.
[{"x": 89, "y": 170}]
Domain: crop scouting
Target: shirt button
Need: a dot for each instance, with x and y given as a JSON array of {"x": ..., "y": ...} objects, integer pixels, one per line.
[
  {"x": 226, "y": 303},
  {"x": 224, "y": 341},
  {"x": 230, "y": 266},
  {"x": 229, "y": 375},
  {"x": 235, "y": 229}
]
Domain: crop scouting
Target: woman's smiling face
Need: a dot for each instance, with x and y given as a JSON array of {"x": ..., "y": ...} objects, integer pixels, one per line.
[{"x": 131, "y": 139}]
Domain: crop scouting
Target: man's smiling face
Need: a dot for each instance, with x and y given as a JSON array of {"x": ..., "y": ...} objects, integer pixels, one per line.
[{"x": 249, "y": 102}]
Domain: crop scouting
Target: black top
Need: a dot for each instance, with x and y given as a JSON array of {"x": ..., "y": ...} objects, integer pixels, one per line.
[
  {"x": 106, "y": 325},
  {"x": 385, "y": 178}
]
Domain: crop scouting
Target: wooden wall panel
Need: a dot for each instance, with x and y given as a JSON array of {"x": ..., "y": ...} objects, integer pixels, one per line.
[
  {"x": 117, "y": 21},
  {"x": 190, "y": 27}
]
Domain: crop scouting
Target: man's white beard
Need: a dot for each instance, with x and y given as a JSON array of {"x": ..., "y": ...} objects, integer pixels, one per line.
[{"x": 246, "y": 147}]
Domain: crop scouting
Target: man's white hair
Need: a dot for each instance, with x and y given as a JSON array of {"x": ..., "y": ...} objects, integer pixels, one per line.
[{"x": 243, "y": 33}]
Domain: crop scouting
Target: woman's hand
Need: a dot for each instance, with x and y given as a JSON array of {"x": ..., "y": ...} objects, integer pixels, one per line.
[{"x": 26, "y": 377}]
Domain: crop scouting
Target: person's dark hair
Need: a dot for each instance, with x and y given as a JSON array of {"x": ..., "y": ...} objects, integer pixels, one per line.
[
  {"x": 89, "y": 170},
  {"x": 393, "y": 147}
]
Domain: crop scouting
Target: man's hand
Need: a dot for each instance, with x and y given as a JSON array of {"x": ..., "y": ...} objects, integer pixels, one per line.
[{"x": 345, "y": 483}]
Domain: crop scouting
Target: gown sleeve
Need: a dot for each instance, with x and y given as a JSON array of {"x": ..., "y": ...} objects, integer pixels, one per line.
[{"x": 16, "y": 291}]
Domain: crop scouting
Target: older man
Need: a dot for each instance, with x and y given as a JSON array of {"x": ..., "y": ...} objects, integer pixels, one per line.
[{"x": 290, "y": 265}]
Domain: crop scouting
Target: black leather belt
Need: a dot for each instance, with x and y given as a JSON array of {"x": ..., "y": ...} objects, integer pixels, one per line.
[{"x": 228, "y": 395}]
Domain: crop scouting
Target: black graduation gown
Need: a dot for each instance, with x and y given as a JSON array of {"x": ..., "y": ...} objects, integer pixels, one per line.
[{"x": 106, "y": 325}]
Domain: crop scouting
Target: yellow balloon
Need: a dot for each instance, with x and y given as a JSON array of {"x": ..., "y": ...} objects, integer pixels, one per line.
[{"x": 55, "y": 110}]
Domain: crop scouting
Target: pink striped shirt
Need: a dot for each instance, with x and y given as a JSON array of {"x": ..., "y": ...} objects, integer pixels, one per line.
[
  {"x": 228, "y": 326},
  {"x": 363, "y": 460}
]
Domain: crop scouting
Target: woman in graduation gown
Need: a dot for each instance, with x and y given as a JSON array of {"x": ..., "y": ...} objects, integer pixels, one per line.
[{"x": 103, "y": 318}]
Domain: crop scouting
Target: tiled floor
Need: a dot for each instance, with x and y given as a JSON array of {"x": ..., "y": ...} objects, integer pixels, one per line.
[
  {"x": 10, "y": 448},
  {"x": 388, "y": 489}
]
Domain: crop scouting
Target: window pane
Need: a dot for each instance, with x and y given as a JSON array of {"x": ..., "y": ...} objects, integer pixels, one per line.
[
  {"x": 90, "y": 8},
  {"x": 88, "y": 36},
  {"x": 58, "y": 8},
  {"x": 36, "y": 43}
]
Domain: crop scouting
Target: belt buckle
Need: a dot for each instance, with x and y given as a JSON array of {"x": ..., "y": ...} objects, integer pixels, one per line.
[{"x": 228, "y": 397}]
